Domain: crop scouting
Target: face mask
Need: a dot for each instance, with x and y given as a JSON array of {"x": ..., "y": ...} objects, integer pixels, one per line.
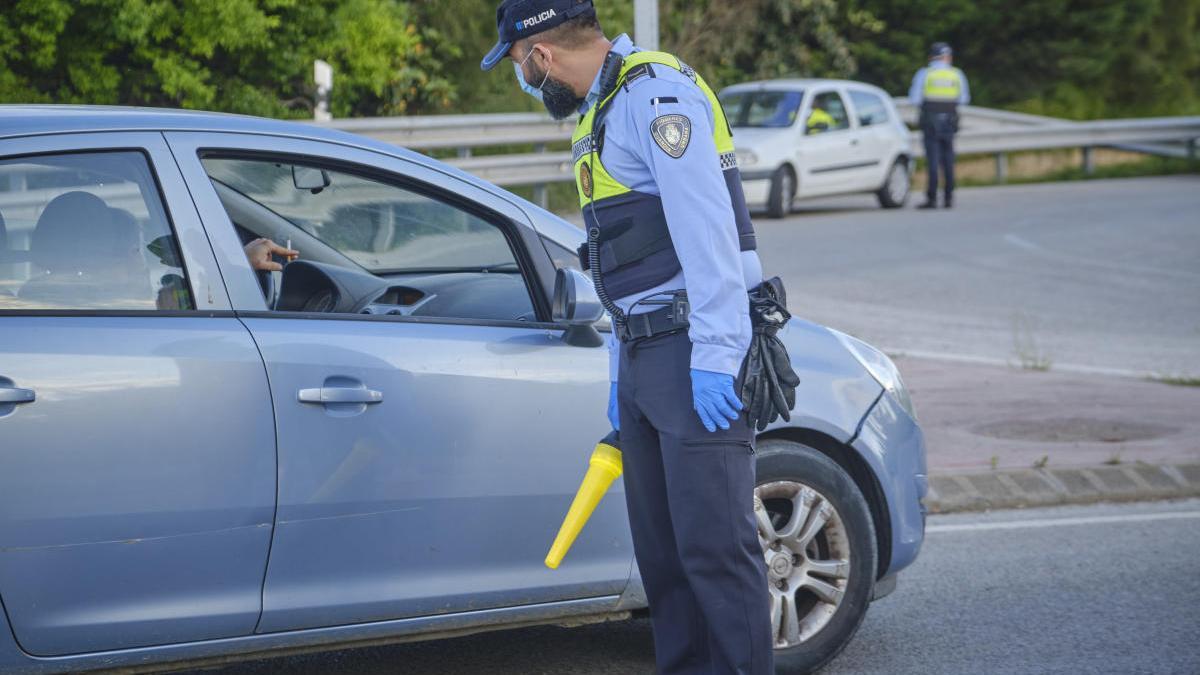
[
  {"x": 560, "y": 100},
  {"x": 533, "y": 91}
]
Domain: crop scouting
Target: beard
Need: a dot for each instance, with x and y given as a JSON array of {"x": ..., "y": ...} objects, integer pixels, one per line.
[{"x": 560, "y": 100}]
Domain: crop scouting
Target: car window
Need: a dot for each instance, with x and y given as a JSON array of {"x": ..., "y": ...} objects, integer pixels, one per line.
[
  {"x": 870, "y": 108},
  {"x": 828, "y": 113},
  {"x": 87, "y": 232},
  {"x": 452, "y": 262},
  {"x": 563, "y": 257},
  {"x": 769, "y": 109}
]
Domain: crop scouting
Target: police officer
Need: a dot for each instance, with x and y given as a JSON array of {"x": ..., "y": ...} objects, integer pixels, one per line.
[
  {"x": 938, "y": 89},
  {"x": 819, "y": 120},
  {"x": 672, "y": 250}
]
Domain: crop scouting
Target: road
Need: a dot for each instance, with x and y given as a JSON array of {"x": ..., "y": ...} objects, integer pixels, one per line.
[
  {"x": 1095, "y": 589},
  {"x": 1097, "y": 276}
]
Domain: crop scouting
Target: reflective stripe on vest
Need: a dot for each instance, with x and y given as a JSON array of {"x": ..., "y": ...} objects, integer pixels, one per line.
[
  {"x": 943, "y": 85},
  {"x": 636, "y": 252}
]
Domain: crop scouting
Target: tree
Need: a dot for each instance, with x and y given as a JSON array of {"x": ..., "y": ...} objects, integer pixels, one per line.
[{"x": 247, "y": 56}]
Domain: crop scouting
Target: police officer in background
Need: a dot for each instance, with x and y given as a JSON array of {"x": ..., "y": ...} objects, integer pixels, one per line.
[
  {"x": 938, "y": 89},
  {"x": 672, "y": 251}
]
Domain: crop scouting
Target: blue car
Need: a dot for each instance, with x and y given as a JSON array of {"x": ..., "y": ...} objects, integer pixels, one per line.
[{"x": 202, "y": 459}]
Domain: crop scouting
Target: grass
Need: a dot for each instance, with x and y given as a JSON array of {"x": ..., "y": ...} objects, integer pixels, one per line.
[
  {"x": 1041, "y": 463},
  {"x": 1025, "y": 346},
  {"x": 1177, "y": 380},
  {"x": 1138, "y": 168}
]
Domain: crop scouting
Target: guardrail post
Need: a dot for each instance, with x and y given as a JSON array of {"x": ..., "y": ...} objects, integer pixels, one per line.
[
  {"x": 1089, "y": 164},
  {"x": 540, "y": 195},
  {"x": 464, "y": 153},
  {"x": 1192, "y": 155},
  {"x": 1001, "y": 167}
]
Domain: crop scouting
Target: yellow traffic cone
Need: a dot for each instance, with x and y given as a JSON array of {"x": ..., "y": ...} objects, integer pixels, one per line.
[{"x": 603, "y": 469}]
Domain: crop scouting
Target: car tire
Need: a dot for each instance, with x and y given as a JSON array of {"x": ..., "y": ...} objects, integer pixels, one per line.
[
  {"x": 896, "y": 187},
  {"x": 846, "y": 540},
  {"x": 783, "y": 192}
]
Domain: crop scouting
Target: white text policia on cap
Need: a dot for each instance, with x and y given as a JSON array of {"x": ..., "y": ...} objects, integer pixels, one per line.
[{"x": 535, "y": 20}]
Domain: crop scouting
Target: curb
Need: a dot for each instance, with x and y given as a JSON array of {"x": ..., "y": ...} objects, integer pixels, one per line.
[{"x": 1007, "y": 489}]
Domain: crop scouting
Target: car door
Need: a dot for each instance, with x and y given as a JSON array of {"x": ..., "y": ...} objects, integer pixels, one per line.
[
  {"x": 137, "y": 447},
  {"x": 877, "y": 135},
  {"x": 428, "y": 450},
  {"x": 829, "y": 154}
]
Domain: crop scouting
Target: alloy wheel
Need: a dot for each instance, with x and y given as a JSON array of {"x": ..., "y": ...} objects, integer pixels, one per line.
[{"x": 807, "y": 551}]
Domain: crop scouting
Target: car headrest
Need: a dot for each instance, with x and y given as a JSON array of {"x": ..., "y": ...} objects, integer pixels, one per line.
[{"x": 73, "y": 234}]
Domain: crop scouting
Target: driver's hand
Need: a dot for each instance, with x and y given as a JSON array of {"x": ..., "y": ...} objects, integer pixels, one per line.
[{"x": 259, "y": 252}]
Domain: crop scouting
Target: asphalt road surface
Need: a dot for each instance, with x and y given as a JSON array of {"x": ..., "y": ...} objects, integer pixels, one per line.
[
  {"x": 1092, "y": 589},
  {"x": 1099, "y": 276}
]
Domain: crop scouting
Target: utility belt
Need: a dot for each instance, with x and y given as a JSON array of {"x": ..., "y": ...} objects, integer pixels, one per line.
[
  {"x": 673, "y": 311},
  {"x": 670, "y": 317}
]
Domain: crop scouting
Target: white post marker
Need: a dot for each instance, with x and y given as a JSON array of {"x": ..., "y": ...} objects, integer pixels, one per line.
[
  {"x": 645, "y": 24},
  {"x": 323, "y": 76}
]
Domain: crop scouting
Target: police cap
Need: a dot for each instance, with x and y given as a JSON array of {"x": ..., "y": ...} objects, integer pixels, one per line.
[{"x": 518, "y": 19}]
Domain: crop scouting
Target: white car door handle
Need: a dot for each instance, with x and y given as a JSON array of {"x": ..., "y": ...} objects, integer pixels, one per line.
[{"x": 341, "y": 395}]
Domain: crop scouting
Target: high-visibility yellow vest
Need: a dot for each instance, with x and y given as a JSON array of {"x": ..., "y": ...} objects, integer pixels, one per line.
[
  {"x": 634, "y": 244},
  {"x": 944, "y": 85},
  {"x": 819, "y": 117}
]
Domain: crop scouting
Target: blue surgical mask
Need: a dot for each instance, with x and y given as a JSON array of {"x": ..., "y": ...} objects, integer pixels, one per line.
[{"x": 533, "y": 91}]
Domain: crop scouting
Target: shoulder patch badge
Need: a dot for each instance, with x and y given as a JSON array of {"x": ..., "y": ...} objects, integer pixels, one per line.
[
  {"x": 585, "y": 181},
  {"x": 672, "y": 133}
]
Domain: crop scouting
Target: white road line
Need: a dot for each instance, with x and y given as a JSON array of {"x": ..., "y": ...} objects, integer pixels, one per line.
[
  {"x": 1078, "y": 369},
  {"x": 1062, "y": 522},
  {"x": 1040, "y": 250}
]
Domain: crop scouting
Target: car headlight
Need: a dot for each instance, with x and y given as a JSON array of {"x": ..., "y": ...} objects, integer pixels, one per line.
[
  {"x": 746, "y": 158},
  {"x": 882, "y": 368}
]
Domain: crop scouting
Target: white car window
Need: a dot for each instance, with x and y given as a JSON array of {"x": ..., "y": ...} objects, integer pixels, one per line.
[
  {"x": 828, "y": 113},
  {"x": 87, "y": 231},
  {"x": 869, "y": 107}
]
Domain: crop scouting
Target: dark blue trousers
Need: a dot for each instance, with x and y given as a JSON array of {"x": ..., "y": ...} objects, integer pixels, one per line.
[
  {"x": 939, "y": 155},
  {"x": 690, "y": 499}
]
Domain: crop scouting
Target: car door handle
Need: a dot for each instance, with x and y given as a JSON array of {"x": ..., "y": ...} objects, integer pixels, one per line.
[
  {"x": 341, "y": 395},
  {"x": 854, "y": 142},
  {"x": 13, "y": 395}
]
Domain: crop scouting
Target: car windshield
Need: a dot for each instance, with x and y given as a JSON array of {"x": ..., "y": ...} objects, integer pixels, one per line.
[{"x": 763, "y": 109}]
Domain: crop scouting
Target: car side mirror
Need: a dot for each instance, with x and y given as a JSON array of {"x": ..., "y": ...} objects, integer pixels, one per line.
[
  {"x": 577, "y": 306},
  {"x": 308, "y": 178}
]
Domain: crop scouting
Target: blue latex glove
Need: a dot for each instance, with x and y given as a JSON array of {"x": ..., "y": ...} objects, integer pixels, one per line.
[
  {"x": 614, "y": 416},
  {"x": 713, "y": 399}
]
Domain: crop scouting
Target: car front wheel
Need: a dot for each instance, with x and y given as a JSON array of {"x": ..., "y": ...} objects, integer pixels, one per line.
[
  {"x": 819, "y": 543},
  {"x": 783, "y": 192}
]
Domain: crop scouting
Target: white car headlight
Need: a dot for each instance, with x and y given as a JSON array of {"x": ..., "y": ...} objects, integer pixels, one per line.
[
  {"x": 746, "y": 158},
  {"x": 882, "y": 368}
]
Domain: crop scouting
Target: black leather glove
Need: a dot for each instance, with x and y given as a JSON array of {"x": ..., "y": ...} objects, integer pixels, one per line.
[{"x": 768, "y": 381}]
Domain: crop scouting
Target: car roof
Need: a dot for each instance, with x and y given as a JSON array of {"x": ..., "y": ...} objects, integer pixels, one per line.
[
  {"x": 798, "y": 83},
  {"x": 31, "y": 120}
]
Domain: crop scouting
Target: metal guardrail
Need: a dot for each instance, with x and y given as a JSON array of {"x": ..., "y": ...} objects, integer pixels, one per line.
[{"x": 985, "y": 131}]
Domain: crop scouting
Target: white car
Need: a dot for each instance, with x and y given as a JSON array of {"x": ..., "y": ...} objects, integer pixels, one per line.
[{"x": 798, "y": 139}]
